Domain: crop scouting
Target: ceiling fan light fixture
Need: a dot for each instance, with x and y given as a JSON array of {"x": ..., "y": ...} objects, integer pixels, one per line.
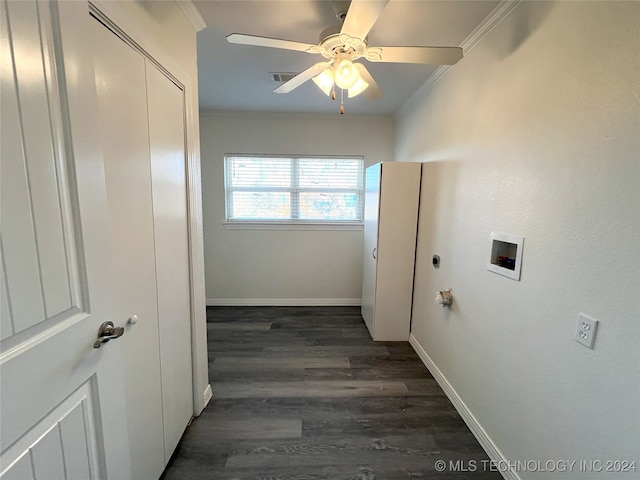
[
  {"x": 341, "y": 44},
  {"x": 346, "y": 74},
  {"x": 359, "y": 87},
  {"x": 324, "y": 81}
]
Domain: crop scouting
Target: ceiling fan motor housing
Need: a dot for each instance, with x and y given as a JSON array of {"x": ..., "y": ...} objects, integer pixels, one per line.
[{"x": 333, "y": 43}]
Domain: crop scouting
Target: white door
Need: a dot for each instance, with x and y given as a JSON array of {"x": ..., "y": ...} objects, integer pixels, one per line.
[
  {"x": 166, "y": 114},
  {"x": 143, "y": 130},
  {"x": 122, "y": 101},
  {"x": 61, "y": 400},
  {"x": 369, "y": 268}
]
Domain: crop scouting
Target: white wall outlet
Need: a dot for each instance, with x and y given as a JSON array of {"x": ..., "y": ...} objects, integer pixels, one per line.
[{"x": 586, "y": 331}]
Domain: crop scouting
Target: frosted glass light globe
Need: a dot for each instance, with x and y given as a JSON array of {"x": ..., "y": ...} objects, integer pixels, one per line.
[
  {"x": 325, "y": 81},
  {"x": 346, "y": 74}
]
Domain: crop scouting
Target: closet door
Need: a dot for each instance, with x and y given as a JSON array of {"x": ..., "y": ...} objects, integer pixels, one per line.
[
  {"x": 143, "y": 118},
  {"x": 122, "y": 98},
  {"x": 369, "y": 266},
  {"x": 167, "y": 143}
]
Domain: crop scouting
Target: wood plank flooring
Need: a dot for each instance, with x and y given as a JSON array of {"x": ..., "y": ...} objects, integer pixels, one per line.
[{"x": 303, "y": 393}]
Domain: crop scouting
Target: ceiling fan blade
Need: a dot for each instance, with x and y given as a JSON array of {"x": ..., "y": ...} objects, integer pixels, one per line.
[
  {"x": 373, "y": 91},
  {"x": 361, "y": 16},
  {"x": 299, "y": 79},
  {"x": 434, "y": 55},
  {"x": 269, "y": 42}
]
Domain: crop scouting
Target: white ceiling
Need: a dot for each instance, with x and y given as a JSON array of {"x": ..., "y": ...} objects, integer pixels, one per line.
[{"x": 236, "y": 77}]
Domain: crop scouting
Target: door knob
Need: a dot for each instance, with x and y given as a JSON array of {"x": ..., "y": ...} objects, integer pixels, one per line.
[{"x": 107, "y": 332}]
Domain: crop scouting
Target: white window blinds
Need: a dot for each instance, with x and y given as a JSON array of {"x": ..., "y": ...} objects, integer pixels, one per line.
[{"x": 293, "y": 189}]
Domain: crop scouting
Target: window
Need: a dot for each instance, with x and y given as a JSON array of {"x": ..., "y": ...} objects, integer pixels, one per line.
[{"x": 293, "y": 190}]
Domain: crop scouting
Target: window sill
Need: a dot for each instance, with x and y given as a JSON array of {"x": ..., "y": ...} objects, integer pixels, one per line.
[{"x": 292, "y": 226}]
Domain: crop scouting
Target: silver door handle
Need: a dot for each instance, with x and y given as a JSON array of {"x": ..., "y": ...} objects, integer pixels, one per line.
[
  {"x": 107, "y": 332},
  {"x": 373, "y": 253}
]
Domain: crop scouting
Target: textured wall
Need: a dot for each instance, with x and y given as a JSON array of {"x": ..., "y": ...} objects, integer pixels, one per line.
[{"x": 536, "y": 133}]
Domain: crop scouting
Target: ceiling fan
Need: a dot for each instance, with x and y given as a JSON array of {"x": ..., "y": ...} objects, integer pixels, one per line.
[{"x": 341, "y": 45}]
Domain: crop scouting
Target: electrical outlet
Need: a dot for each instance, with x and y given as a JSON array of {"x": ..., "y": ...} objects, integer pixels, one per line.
[{"x": 586, "y": 331}]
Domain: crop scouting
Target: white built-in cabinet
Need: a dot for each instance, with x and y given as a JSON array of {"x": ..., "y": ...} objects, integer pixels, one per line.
[{"x": 392, "y": 194}]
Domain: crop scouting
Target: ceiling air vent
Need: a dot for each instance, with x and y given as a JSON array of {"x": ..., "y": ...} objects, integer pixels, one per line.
[{"x": 282, "y": 76}]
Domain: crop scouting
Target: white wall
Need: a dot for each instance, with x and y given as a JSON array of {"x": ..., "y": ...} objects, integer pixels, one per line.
[
  {"x": 536, "y": 133},
  {"x": 290, "y": 267}
]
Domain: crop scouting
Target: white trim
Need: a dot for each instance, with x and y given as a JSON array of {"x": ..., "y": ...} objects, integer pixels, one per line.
[
  {"x": 481, "y": 435},
  {"x": 497, "y": 15},
  {"x": 196, "y": 255},
  {"x": 284, "y": 302},
  {"x": 240, "y": 225},
  {"x": 37, "y": 338},
  {"x": 502, "y": 10},
  {"x": 206, "y": 397},
  {"x": 193, "y": 14}
]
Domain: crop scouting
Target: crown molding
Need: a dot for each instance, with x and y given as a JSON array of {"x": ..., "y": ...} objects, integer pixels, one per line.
[
  {"x": 192, "y": 14},
  {"x": 497, "y": 15}
]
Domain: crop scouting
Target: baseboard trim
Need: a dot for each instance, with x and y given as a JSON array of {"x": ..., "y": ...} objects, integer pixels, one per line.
[
  {"x": 485, "y": 441},
  {"x": 207, "y": 396},
  {"x": 199, "y": 407},
  {"x": 284, "y": 302}
]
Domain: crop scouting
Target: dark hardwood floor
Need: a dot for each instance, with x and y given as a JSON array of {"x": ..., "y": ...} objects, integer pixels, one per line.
[{"x": 303, "y": 393}]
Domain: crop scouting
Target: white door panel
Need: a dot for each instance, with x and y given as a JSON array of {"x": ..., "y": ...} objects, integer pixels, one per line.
[
  {"x": 168, "y": 171},
  {"x": 6, "y": 327},
  {"x": 122, "y": 100},
  {"x": 19, "y": 254},
  {"x": 39, "y": 151},
  {"x": 21, "y": 469},
  {"x": 63, "y": 444},
  {"x": 61, "y": 400},
  {"x": 143, "y": 130},
  {"x": 369, "y": 274}
]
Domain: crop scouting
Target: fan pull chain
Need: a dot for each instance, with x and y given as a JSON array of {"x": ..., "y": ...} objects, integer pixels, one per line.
[
  {"x": 341, "y": 101},
  {"x": 333, "y": 92}
]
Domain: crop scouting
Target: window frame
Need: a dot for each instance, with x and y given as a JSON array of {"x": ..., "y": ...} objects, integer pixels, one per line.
[{"x": 294, "y": 190}]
